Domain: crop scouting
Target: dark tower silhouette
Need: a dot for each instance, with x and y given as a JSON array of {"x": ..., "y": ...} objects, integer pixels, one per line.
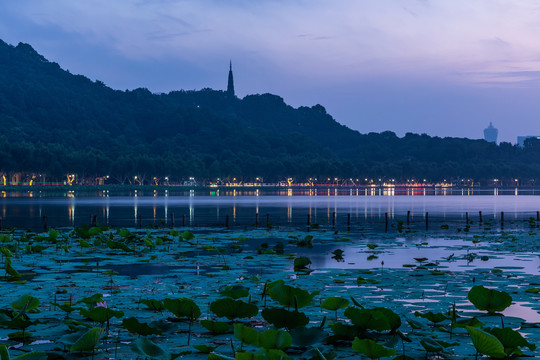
[{"x": 230, "y": 84}]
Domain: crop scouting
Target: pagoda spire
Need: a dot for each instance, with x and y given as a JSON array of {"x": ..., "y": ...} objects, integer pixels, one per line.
[{"x": 230, "y": 84}]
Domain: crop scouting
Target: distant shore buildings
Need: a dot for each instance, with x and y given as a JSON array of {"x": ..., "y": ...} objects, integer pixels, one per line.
[
  {"x": 490, "y": 133},
  {"x": 521, "y": 139}
]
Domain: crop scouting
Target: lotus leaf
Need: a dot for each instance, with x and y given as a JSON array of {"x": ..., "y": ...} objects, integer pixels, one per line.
[
  {"x": 290, "y": 296},
  {"x": 101, "y": 314},
  {"x": 188, "y": 235},
  {"x": 233, "y": 309},
  {"x": 27, "y": 302},
  {"x": 275, "y": 339},
  {"x": 235, "y": 291},
  {"x": 145, "y": 347},
  {"x": 486, "y": 344},
  {"x": 88, "y": 341},
  {"x": 371, "y": 349},
  {"x": 216, "y": 326},
  {"x": 10, "y": 270},
  {"x": 511, "y": 339},
  {"x": 489, "y": 299},
  {"x": 247, "y": 335},
  {"x": 183, "y": 307},
  {"x": 282, "y": 318},
  {"x": 31, "y": 356},
  {"x": 114, "y": 245},
  {"x": 431, "y": 345},
  {"x": 334, "y": 303},
  {"x": 205, "y": 349},
  {"x": 301, "y": 263},
  {"x": 153, "y": 304},
  {"x": 378, "y": 319},
  {"x": 433, "y": 317},
  {"x": 135, "y": 327}
]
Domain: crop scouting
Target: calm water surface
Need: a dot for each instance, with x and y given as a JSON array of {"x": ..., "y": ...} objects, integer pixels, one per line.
[{"x": 190, "y": 208}]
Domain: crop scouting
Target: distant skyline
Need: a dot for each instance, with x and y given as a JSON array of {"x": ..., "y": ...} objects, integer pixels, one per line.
[{"x": 445, "y": 68}]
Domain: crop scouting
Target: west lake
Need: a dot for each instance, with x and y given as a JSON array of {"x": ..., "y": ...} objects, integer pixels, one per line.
[{"x": 232, "y": 207}]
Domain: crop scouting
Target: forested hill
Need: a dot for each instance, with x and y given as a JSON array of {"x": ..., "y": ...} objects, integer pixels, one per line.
[{"x": 55, "y": 122}]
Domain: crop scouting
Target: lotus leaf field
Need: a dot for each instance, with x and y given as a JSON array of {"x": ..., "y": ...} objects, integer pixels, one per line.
[{"x": 276, "y": 293}]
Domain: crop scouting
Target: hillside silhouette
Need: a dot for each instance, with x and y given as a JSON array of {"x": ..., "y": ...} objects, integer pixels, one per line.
[{"x": 55, "y": 122}]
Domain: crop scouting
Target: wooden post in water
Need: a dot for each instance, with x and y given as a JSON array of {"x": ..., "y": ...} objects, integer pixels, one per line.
[
  {"x": 140, "y": 221},
  {"x": 334, "y": 220},
  {"x": 480, "y": 214},
  {"x": 385, "y": 222},
  {"x": 256, "y": 219},
  {"x": 0, "y": 224},
  {"x": 408, "y": 217},
  {"x": 268, "y": 221},
  {"x": 427, "y": 221},
  {"x": 44, "y": 223},
  {"x": 172, "y": 220},
  {"x": 184, "y": 220},
  {"x": 349, "y": 222},
  {"x": 466, "y": 217},
  {"x": 227, "y": 221},
  {"x": 502, "y": 219},
  {"x": 538, "y": 216}
]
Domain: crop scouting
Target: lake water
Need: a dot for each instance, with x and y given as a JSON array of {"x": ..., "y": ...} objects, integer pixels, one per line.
[{"x": 212, "y": 208}]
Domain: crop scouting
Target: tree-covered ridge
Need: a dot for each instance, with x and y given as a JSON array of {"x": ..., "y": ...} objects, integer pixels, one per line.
[{"x": 54, "y": 122}]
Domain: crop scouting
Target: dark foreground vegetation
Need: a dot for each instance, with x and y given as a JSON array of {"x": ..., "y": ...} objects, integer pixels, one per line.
[{"x": 55, "y": 123}]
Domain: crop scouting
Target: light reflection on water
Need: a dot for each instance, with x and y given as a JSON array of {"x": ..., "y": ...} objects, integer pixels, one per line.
[{"x": 71, "y": 209}]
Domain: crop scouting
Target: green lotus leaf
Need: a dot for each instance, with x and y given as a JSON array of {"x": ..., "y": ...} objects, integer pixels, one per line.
[
  {"x": 101, "y": 314},
  {"x": 378, "y": 319},
  {"x": 117, "y": 245},
  {"x": 34, "y": 355},
  {"x": 247, "y": 335},
  {"x": 88, "y": 341},
  {"x": 334, "y": 303},
  {"x": 486, "y": 344},
  {"x": 433, "y": 317},
  {"x": 6, "y": 252},
  {"x": 371, "y": 349},
  {"x": 489, "y": 299},
  {"x": 233, "y": 309},
  {"x": 91, "y": 300},
  {"x": 290, "y": 296},
  {"x": 301, "y": 263},
  {"x": 4, "y": 354},
  {"x": 10, "y": 270},
  {"x": 147, "y": 348},
  {"x": 205, "y": 349},
  {"x": 217, "y": 327},
  {"x": 235, "y": 291},
  {"x": 510, "y": 339},
  {"x": 275, "y": 339},
  {"x": 135, "y": 327},
  {"x": 282, "y": 318},
  {"x": 26, "y": 302},
  {"x": 431, "y": 345},
  {"x": 188, "y": 235},
  {"x": 183, "y": 307},
  {"x": 153, "y": 304}
]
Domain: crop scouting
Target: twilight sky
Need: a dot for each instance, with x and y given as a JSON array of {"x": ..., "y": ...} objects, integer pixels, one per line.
[{"x": 444, "y": 67}]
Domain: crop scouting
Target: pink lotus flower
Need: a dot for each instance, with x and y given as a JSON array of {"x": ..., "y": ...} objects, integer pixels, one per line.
[{"x": 101, "y": 304}]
